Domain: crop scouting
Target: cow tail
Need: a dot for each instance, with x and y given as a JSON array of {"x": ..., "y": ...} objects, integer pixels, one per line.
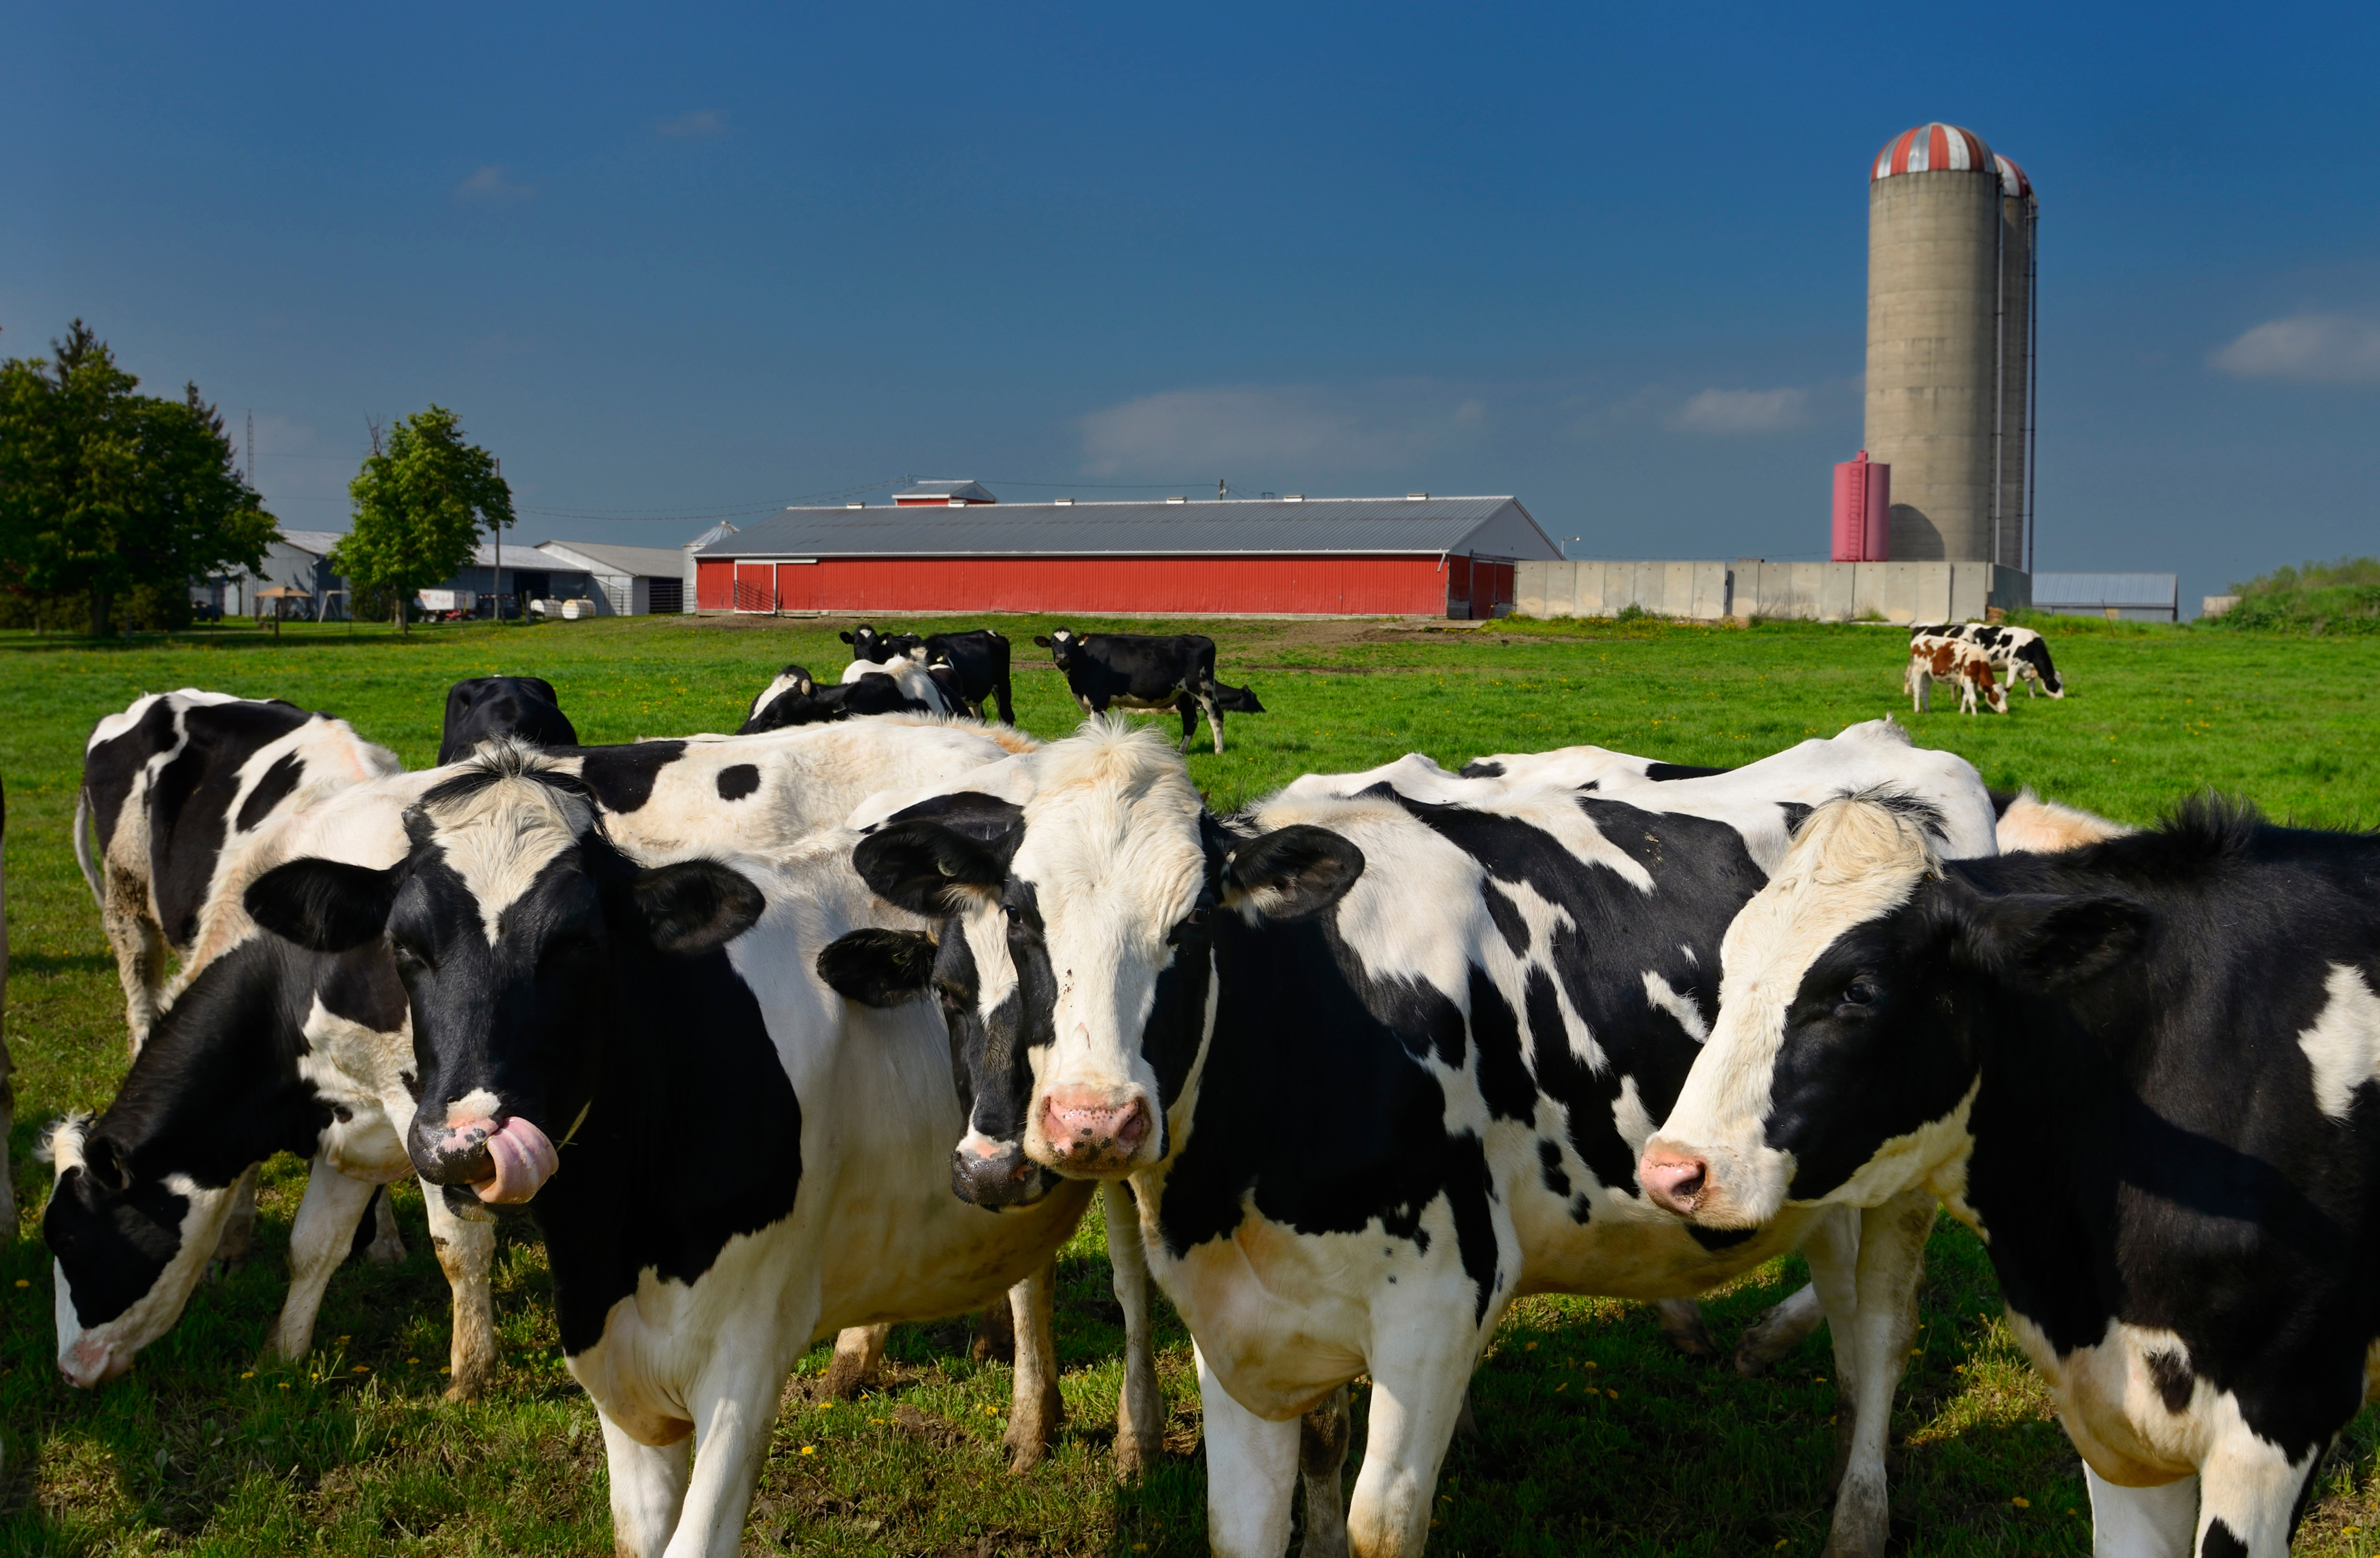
[{"x": 82, "y": 846}]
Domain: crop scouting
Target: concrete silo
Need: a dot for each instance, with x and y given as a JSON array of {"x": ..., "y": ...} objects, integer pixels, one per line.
[
  {"x": 2012, "y": 515},
  {"x": 1936, "y": 394}
]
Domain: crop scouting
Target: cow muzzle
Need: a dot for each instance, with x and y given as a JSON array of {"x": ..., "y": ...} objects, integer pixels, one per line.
[
  {"x": 989, "y": 1173},
  {"x": 1673, "y": 1181},
  {"x": 1094, "y": 1133},
  {"x": 504, "y": 1161},
  {"x": 90, "y": 1362}
]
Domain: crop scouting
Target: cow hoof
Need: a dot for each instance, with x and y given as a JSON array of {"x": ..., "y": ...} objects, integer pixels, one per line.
[
  {"x": 1682, "y": 1322},
  {"x": 1024, "y": 1455},
  {"x": 385, "y": 1252}
]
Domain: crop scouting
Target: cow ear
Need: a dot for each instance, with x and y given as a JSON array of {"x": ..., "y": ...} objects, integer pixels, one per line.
[
  {"x": 328, "y": 905},
  {"x": 845, "y": 637},
  {"x": 1042, "y": 639},
  {"x": 1291, "y": 873},
  {"x": 2050, "y": 940},
  {"x": 927, "y": 869},
  {"x": 878, "y": 968},
  {"x": 696, "y": 907}
]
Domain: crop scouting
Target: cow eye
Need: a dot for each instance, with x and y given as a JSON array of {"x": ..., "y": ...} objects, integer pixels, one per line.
[{"x": 1859, "y": 993}]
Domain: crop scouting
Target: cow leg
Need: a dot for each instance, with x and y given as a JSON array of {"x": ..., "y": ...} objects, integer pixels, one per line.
[
  {"x": 140, "y": 951},
  {"x": 857, "y": 1350},
  {"x": 1214, "y": 720},
  {"x": 647, "y": 1489},
  {"x": 1891, "y": 1259},
  {"x": 320, "y": 1236},
  {"x": 1416, "y": 1394},
  {"x": 1000, "y": 695},
  {"x": 2142, "y": 1522},
  {"x": 1779, "y": 1331},
  {"x": 1187, "y": 708},
  {"x": 735, "y": 1407},
  {"x": 1832, "y": 1250},
  {"x": 466, "y": 1249},
  {"x": 1140, "y": 1407},
  {"x": 1251, "y": 1473},
  {"x": 1322, "y": 1456},
  {"x": 387, "y": 1247},
  {"x": 2248, "y": 1494},
  {"x": 1034, "y": 1407},
  {"x": 1087, "y": 710},
  {"x": 1682, "y": 1322},
  {"x": 240, "y": 1223}
]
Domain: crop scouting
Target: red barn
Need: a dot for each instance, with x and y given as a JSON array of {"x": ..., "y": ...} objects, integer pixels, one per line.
[{"x": 1410, "y": 556}]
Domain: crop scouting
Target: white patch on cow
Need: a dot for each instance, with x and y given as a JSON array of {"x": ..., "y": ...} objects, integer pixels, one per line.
[
  {"x": 472, "y": 1107},
  {"x": 498, "y": 836},
  {"x": 1854, "y": 861},
  {"x": 2044, "y": 827},
  {"x": 354, "y": 1068},
  {"x": 2343, "y": 1046},
  {"x": 113, "y": 725},
  {"x": 1689, "y": 954},
  {"x": 910, "y": 676},
  {"x": 785, "y": 681},
  {"x": 1666, "y": 998},
  {"x": 1629, "y": 1116}
]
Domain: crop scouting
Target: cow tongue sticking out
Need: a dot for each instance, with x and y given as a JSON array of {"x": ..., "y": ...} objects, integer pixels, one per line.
[{"x": 520, "y": 1156}]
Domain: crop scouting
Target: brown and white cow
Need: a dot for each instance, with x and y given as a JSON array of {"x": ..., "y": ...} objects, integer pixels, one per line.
[{"x": 1935, "y": 660}]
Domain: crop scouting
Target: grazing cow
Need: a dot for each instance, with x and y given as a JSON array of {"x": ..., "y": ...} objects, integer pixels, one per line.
[
  {"x": 1950, "y": 660},
  {"x": 488, "y": 706},
  {"x": 1479, "y": 1012},
  {"x": 173, "y": 784},
  {"x": 877, "y": 649},
  {"x": 2143, "y": 1070},
  {"x": 544, "y": 969},
  {"x": 1145, "y": 673},
  {"x": 2020, "y": 652}
]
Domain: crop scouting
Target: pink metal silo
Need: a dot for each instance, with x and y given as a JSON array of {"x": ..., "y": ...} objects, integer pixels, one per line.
[{"x": 1863, "y": 527}]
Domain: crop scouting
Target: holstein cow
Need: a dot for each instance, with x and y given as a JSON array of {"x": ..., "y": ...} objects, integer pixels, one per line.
[
  {"x": 976, "y": 659},
  {"x": 2020, "y": 652},
  {"x": 1480, "y": 1011},
  {"x": 483, "y": 707},
  {"x": 1950, "y": 660},
  {"x": 902, "y": 687},
  {"x": 2143, "y": 1070},
  {"x": 541, "y": 965},
  {"x": 1145, "y": 674},
  {"x": 175, "y": 787}
]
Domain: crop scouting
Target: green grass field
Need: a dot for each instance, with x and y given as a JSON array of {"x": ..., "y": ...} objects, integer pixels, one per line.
[{"x": 1595, "y": 1437}]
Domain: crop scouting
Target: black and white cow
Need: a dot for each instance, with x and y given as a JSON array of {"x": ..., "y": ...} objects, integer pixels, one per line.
[
  {"x": 902, "y": 686},
  {"x": 483, "y": 707},
  {"x": 2143, "y": 1070},
  {"x": 2020, "y": 652},
  {"x": 1477, "y": 1012},
  {"x": 976, "y": 662},
  {"x": 1147, "y": 674},
  {"x": 171, "y": 786},
  {"x": 544, "y": 968}
]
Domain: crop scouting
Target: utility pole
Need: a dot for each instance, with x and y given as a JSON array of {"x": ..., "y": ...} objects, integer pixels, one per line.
[
  {"x": 499, "y": 528},
  {"x": 251, "y": 450},
  {"x": 1220, "y": 489}
]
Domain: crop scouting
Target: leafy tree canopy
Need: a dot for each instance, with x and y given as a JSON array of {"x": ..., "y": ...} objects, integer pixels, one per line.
[
  {"x": 105, "y": 490},
  {"x": 420, "y": 505}
]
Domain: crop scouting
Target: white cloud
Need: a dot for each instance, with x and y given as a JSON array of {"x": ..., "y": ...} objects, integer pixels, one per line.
[
  {"x": 1286, "y": 431},
  {"x": 2309, "y": 349},
  {"x": 491, "y": 186},
  {"x": 1718, "y": 410},
  {"x": 699, "y": 122}
]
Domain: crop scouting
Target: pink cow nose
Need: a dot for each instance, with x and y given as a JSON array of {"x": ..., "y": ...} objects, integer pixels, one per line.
[
  {"x": 1094, "y": 1133},
  {"x": 1674, "y": 1180},
  {"x": 90, "y": 1364}
]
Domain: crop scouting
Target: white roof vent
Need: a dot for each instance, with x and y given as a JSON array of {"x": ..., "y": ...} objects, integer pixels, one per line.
[
  {"x": 1417, "y": 497},
  {"x": 1065, "y": 503},
  {"x": 855, "y": 506},
  {"x": 1179, "y": 497},
  {"x": 1293, "y": 497}
]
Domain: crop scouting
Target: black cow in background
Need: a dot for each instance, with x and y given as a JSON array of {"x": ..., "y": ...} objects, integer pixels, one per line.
[
  {"x": 485, "y": 706},
  {"x": 1144, "y": 673},
  {"x": 798, "y": 699},
  {"x": 971, "y": 667}
]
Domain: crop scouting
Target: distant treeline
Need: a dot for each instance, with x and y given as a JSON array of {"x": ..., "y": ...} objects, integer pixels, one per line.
[{"x": 2341, "y": 597}]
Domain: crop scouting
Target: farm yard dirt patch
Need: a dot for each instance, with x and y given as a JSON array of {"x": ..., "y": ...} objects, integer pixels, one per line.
[{"x": 200, "y": 1448}]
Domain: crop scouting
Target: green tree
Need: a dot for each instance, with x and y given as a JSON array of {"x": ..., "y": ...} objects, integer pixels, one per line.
[
  {"x": 420, "y": 505},
  {"x": 105, "y": 491}
]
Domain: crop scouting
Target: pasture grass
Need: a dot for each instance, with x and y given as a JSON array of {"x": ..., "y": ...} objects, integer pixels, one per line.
[{"x": 1594, "y": 1435}]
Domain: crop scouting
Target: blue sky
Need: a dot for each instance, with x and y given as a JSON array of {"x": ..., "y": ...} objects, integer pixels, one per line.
[{"x": 704, "y": 259}]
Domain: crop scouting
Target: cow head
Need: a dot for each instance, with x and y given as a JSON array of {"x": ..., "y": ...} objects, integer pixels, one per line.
[
  {"x": 1063, "y": 645},
  {"x": 1855, "y": 1000},
  {"x": 2032, "y": 659},
  {"x": 518, "y": 930},
  {"x": 876, "y": 648},
  {"x": 1074, "y": 959}
]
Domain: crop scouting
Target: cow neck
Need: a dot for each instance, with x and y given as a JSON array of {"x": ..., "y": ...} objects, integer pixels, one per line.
[
  {"x": 691, "y": 1136},
  {"x": 216, "y": 1086}
]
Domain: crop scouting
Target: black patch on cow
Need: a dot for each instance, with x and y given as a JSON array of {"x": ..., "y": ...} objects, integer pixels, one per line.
[
  {"x": 1506, "y": 916},
  {"x": 878, "y": 968},
  {"x": 739, "y": 780},
  {"x": 623, "y": 778},
  {"x": 2222, "y": 1541},
  {"x": 2001, "y": 801},
  {"x": 113, "y": 766},
  {"x": 1795, "y": 815},
  {"x": 1681, "y": 770},
  {"x": 2175, "y": 1383},
  {"x": 1482, "y": 768},
  {"x": 1504, "y": 1081},
  {"x": 980, "y": 817},
  {"x": 2147, "y": 1146},
  {"x": 190, "y": 801},
  {"x": 481, "y": 708},
  {"x": 279, "y": 782},
  {"x": 1549, "y": 1166},
  {"x": 1717, "y": 1239}
]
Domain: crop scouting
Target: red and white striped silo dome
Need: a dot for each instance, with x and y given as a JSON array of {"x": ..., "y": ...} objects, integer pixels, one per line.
[
  {"x": 2013, "y": 183},
  {"x": 1933, "y": 148}
]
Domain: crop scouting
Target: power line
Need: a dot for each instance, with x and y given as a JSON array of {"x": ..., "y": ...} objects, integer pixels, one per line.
[{"x": 632, "y": 516}]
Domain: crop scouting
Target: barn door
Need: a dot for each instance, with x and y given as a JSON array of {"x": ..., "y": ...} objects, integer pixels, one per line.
[{"x": 756, "y": 587}]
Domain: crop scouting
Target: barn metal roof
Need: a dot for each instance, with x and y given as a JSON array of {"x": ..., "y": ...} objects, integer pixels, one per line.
[
  {"x": 2105, "y": 590},
  {"x": 1232, "y": 526}
]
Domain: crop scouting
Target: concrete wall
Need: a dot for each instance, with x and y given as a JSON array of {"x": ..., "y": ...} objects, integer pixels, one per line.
[
  {"x": 1932, "y": 303},
  {"x": 1750, "y": 587}
]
